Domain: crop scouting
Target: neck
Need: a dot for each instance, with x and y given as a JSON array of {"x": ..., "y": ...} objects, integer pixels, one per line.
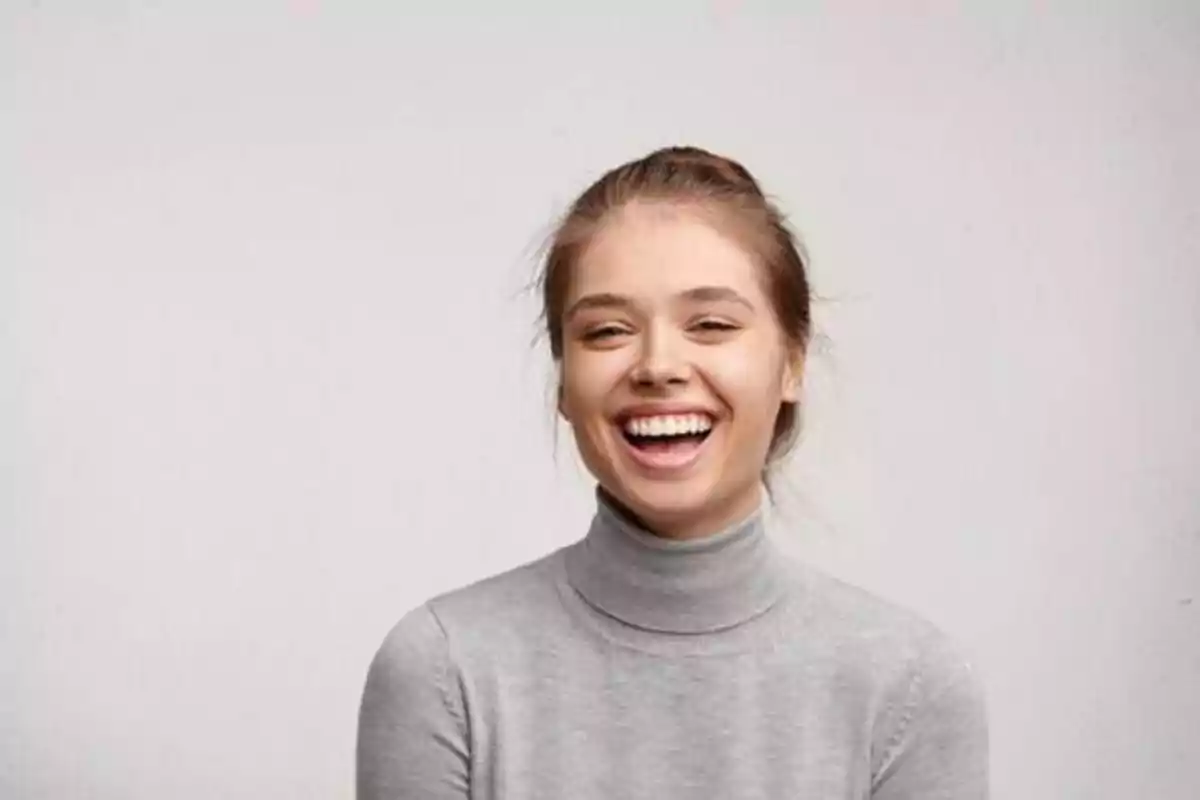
[{"x": 697, "y": 585}]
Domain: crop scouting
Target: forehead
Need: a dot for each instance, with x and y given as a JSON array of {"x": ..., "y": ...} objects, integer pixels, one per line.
[{"x": 658, "y": 250}]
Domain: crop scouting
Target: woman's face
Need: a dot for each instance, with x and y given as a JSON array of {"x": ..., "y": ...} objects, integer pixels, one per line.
[{"x": 673, "y": 369}]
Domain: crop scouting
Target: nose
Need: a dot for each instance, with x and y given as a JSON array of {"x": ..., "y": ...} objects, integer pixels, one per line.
[{"x": 660, "y": 362}]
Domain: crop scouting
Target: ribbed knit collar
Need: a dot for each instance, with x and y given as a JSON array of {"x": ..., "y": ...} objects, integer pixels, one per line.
[{"x": 675, "y": 586}]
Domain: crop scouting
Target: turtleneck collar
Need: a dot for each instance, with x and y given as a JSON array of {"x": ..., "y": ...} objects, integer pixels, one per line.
[{"x": 676, "y": 586}]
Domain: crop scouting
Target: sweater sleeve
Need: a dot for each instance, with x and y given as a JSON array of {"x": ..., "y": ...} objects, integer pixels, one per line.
[
  {"x": 939, "y": 748},
  {"x": 412, "y": 734}
]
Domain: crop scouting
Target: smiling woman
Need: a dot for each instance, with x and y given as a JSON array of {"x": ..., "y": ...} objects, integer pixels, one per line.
[
  {"x": 672, "y": 651},
  {"x": 668, "y": 317}
]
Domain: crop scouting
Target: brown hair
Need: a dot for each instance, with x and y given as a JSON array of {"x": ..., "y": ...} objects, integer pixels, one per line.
[{"x": 708, "y": 183}]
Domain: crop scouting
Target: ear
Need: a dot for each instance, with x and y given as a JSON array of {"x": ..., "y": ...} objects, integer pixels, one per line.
[
  {"x": 562, "y": 404},
  {"x": 793, "y": 378}
]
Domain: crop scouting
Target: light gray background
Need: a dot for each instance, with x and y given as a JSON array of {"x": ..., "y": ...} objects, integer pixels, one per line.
[{"x": 268, "y": 381}]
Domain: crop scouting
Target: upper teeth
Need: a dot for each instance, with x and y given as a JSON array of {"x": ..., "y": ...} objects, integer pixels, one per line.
[{"x": 668, "y": 425}]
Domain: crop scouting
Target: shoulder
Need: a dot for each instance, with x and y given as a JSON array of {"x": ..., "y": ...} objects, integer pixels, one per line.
[
  {"x": 860, "y": 622},
  {"x": 504, "y": 599},
  {"x": 842, "y": 602},
  {"x": 887, "y": 650},
  {"x": 915, "y": 675},
  {"x": 479, "y": 615}
]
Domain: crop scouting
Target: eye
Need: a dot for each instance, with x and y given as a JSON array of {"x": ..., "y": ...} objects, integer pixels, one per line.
[
  {"x": 710, "y": 325},
  {"x": 602, "y": 333}
]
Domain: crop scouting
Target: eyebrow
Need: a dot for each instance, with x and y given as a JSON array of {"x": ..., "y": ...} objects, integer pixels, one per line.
[
  {"x": 699, "y": 294},
  {"x": 716, "y": 294}
]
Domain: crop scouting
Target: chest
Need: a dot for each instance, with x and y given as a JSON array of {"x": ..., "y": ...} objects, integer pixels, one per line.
[{"x": 632, "y": 725}]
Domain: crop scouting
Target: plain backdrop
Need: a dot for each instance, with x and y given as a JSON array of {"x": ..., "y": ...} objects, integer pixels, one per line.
[{"x": 270, "y": 378}]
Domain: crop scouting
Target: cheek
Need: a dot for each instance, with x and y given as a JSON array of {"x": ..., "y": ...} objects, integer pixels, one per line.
[
  {"x": 750, "y": 383},
  {"x": 587, "y": 380}
]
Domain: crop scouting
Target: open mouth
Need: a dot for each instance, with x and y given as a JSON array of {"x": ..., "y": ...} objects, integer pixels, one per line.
[{"x": 669, "y": 440}]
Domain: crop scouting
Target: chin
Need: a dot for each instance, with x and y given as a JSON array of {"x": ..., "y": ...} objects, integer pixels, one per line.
[
  {"x": 667, "y": 504},
  {"x": 680, "y": 500}
]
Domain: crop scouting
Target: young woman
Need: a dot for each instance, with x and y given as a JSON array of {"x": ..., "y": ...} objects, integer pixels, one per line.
[{"x": 672, "y": 651}]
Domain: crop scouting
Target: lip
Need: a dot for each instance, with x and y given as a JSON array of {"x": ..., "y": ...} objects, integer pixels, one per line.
[
  {"x": 664, "y": 465},
  {"x": 662, "y": 409}
]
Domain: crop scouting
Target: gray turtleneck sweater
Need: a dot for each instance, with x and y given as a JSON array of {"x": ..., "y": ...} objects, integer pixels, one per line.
[{"x": 629, "y": 666}]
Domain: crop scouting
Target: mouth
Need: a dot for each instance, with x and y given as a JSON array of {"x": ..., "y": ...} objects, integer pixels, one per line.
[{"x": 667, "y": 441}]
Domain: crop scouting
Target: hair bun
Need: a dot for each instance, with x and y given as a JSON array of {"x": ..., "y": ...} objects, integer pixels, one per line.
[{"x": 700, "y": 165}]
